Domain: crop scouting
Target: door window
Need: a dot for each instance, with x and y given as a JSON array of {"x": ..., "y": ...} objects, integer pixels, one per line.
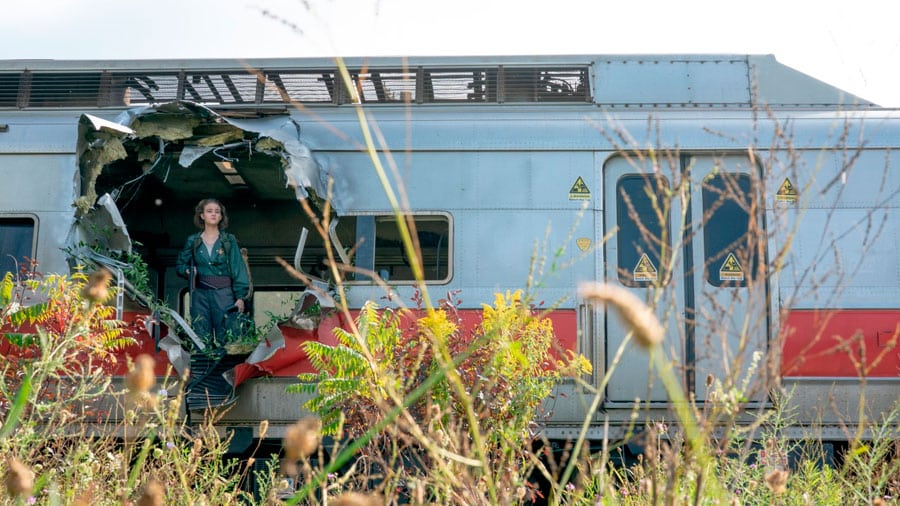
[
  {"x": 16, "y": 243},
  {"x": 731, "y": 256},
  {"x": 643, "y": 232}
]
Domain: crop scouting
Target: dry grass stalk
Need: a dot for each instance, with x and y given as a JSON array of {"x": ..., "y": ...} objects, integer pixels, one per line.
[
  {"x": 302, "y": 438},
  {"x": 637, "y": 315},
  {"x": 139, "y": 380},
  {"x": 141, "y": 377},
  {"x": 153, "y": 494},
  {"x": 776, "y": 480},
  {"x": 19, "y": 478},
  {"x": 97, "y": 288},
  {"x": 357, "y": 499}
]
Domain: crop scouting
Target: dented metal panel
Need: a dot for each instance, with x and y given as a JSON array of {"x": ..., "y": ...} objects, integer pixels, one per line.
[
  {"x": 105, "y": 224},
  {"x": 277, "y": 135},
  {"x": 301, "y": 169}
]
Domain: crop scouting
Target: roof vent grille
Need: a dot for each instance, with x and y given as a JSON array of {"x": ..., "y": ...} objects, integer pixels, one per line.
[{"x": 236, "y": 87}]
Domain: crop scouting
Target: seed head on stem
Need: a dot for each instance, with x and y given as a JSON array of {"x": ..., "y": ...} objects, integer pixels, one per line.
[
  {"x": 97, "y": 288},
  {"x": 19, "y": 478},
  {"x": 636, "y": 314},
  {"x": 302, "y": 438}
]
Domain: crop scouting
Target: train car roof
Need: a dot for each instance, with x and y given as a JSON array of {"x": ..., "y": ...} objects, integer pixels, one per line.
[{"x": 609, "y": 81}]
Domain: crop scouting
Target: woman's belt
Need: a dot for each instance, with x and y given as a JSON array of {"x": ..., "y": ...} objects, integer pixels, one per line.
[{"x": 205, "y": 282}]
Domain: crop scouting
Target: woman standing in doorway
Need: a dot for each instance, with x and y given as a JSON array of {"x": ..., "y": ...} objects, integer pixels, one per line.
[{"x": 220, "y": 282}]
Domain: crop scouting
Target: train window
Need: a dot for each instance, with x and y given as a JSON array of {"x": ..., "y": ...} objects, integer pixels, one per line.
[
  {"x": 643, "y": 232},
  {"x": 16, "y": 243},
  {"x": 377, "y": 247},
  {"x": 731, "y": 256}
]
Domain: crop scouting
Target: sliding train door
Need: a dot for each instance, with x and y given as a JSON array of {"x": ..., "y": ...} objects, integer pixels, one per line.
[
  {"x": 730, "y": 320},
  {"x": 644, "y": 256},
  {"x": 689, "y": 240}
]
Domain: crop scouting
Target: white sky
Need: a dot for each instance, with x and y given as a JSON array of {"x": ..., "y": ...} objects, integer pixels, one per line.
[{"x": 854, "y": 45}]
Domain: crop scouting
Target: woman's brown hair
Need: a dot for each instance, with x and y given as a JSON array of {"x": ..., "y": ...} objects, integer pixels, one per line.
[{"x": 199, "y": 211}]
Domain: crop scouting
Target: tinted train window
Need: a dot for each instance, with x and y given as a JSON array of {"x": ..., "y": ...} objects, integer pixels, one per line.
[
  {"x": 643, "y": 229},
  {"x": 377, "y": 247},
  {"x": 16, "y": 243},
  {"x": 731, "y": 256}
]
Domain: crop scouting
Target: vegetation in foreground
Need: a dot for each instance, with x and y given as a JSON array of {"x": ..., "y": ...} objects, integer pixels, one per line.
[{"x": 430, "y": 422}]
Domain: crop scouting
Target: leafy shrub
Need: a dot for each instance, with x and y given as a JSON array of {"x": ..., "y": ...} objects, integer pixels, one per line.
[
  {"x": 463, "y": 391},
  {"x": 57, "y": 337}
]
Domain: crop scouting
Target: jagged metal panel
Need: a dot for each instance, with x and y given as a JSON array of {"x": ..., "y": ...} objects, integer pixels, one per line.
[{"x": 301, "y": 170}]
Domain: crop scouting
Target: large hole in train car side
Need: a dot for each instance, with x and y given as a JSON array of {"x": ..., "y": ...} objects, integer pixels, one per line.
[{"x": 156, "y": 197}]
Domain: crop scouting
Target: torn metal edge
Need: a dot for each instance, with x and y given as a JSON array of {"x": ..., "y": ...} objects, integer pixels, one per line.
[{"x": 301, "y": 168}]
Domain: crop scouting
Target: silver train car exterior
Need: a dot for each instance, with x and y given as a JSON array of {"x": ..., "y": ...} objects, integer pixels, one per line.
[{"x": 752, "y": 204}]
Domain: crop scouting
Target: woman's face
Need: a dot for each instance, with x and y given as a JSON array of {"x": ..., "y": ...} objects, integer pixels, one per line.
[{"x": 211, "y": 214}]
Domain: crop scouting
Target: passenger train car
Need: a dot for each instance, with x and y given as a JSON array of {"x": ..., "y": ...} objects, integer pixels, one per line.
[{"x": 752, "y": 205}]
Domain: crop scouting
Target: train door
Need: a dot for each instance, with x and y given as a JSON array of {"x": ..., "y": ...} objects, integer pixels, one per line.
[
  {"x": 688, "y": 240},
  {"x": 646, "y": 221},
  {"x": 730, "y": 323}
]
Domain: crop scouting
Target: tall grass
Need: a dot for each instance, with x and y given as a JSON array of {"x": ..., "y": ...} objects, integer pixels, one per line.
[
  {"x": 72, "y": 436},
  {"x": 419, "y": 452}
]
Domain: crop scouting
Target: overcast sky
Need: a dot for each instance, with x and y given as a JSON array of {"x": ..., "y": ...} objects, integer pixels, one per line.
[{"x": 852, "y": 45}]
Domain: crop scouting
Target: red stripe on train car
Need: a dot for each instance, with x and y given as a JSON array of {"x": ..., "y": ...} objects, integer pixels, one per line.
[
  {"x": 841, "y": 343},
  {"x": 115, "y": 363},
  {"x": 291, "y": 360}
]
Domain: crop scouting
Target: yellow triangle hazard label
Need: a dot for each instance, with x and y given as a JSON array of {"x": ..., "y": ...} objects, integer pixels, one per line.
[
  {"x": 731, "y": 270},
  {"x": 645, "y": 270},
  {"x": 579, "y": 190},
  {"x": 786, "y": 192}
]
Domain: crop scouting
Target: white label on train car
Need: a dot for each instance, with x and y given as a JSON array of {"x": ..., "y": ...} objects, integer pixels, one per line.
[
  {"x": 579, "y": 190},
  {"x": 731, "y": 270},
  {"x": 787, "y": 192},
  {"x": 645, "y": 270}
]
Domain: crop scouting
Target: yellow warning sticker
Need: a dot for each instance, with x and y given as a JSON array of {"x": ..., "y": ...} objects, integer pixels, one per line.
[
  {"x": 579, "y": 190},
  {"x": 583, "y": 243},
  {"x": 645, "y": 270},
  {"x": 787, "y": 192},
  {"x": 731, "y": 270}
]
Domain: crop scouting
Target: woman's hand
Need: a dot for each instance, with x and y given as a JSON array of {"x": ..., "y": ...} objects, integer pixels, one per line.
[{"x": 239, "y": 304}]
